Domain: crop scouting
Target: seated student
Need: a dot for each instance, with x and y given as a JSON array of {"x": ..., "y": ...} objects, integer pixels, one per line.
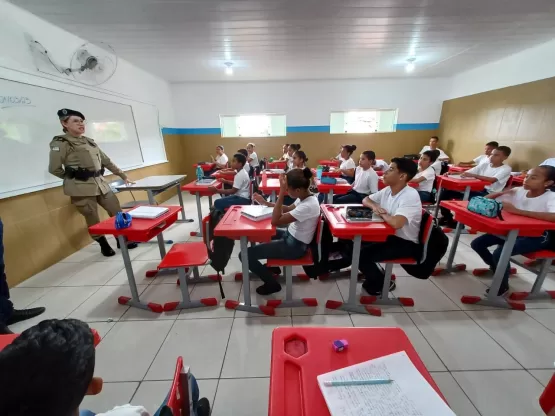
[
  {"x": 252, "y": 157},
  {"x": 495, "y": 173},
  {"x": 434, "y": 140},
  {"x": 48, "y": 370},
  {"x": 284, "y": 150},
  {"x": 366, "y": 181},
  {"x": 221, "y": 158},
  {"x": 348, "y": 165},
  {"x": 534, "y": 200},
  {"x": 426, "y": 175},
  {"x": 299, "y": 162},
  {"x": 548, "y": 162},
  {"x": 490, "y": 147},
  {"x": 290, "y": 152},
  {"x": 301, "y": 219},
  {"x": 239, "y": 194},
  {"x": 380, "y": 165},
  {"x": 339, "y": 158},
  {"x": 399, "y": 206}
]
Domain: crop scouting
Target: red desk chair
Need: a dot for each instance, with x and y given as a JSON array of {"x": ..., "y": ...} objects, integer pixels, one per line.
[
  {"x": 384, "y": 299},
  {"x": 547, "y": 399},
  {"x": 545, "y": 259},
  {"x": 179, "y": 398},
  {"x": 287, "y": 265}
]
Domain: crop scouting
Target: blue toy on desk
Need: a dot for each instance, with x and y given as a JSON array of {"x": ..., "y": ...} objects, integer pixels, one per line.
[
  {"x": 123, "y": 220},
  {"x": 340, "y": 345}
]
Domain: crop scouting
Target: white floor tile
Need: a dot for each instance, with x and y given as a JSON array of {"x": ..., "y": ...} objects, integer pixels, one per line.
[
  {"x": 455, "y": 396},
  {"x": 140, "y": 268},
  {"x": 344, "y": 284},
  {"x": 261, "y": 300},
  {"x": 543, "y": 376},
  {"x": 427, "y": 297},
  {"x": 103, "y": 305},
  {"x": 21, "y": 297},
  {"x": 458, "y": 284},
  {"x": 180, "y": 232},
  {"x": 87, "y": 255},
  {"x": 152, "y": 253},
  {"x": 403, "y": 321},
  {"x": 323, "y": 320},
  {"x": 514, "y": 330},
  {"x": 321, "y": 290},
  {"x": 102, "y": 328},
  {"x": 112, "y": 394},
  {"x": 248, "y": 351},
  {"x": 160, "y": 294},
  {"x": 53, "y": 276},
  {"x": 128, "y": 350},
  {"x": 94, "y": 274},
  {"x": 501, "y": 393},
  {"x": 232, "y": 290},
  {"x": 202, "y": 343},
  {"x": 544, "y": 316},
  {"x": 242, "y": 397},
  {"x": 461, "y": 343}
]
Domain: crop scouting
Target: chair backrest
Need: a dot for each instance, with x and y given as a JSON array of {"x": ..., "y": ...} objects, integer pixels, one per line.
[
  {"x": 509, "y": 182},
  {"x": 427, "y": 231},
  {"x": 178, "y": 399}
]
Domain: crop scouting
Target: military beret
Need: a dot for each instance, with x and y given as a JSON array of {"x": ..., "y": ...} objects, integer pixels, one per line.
[{"x": 66, "y": 112}]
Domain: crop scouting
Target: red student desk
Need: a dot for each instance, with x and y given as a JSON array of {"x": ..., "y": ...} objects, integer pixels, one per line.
[
  {"x": 272, "y": 174},
  {"x": 330, "y": 190},
  {"x": 278, "y": 164},
  {"x": 382, "y": 185},
  {"x": 327, "y": 162},
  {"x": 221, "y": 175},
  {"x": 269, "y": 186},
  {"x": 332, "y": 174},
  {"x": 237, "y": 227},
  {"x": 457, "y": 184},
  {"x": 510, "y": 228},
  {"x": 340, "y": 228},
  {"x": 518, "y": 180},
  {"x": 206, "y": 167},
  {"x": 458, "y": 169},
  {"x": 299, "y": 355},
  {"x": 198, "y": 191},
  {"x": 141, "y": 230}
]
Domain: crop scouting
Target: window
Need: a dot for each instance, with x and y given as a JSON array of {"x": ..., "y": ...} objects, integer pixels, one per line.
[
  {"x": 363, "y": 121},
  {"x": 108, "y": 131},
  {"x": 253, "y": 125}
]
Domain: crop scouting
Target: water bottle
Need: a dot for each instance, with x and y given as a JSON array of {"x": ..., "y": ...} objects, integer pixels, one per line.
[
  {"x": 319, "y": 172},
  {"x": 200, "y": 173}
]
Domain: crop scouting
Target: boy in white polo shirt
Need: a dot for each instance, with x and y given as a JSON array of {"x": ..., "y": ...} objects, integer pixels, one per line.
[
  {"x": 239, "y": 194},
  {"x": 488, "y": 149},
  {"x": 426, "y": 175},
  {"x": 366, "y": 181},
  {"x": 495, "y": 172},
  {"x": 434, "y": 140},
  {"x": 399, "y": 206}
]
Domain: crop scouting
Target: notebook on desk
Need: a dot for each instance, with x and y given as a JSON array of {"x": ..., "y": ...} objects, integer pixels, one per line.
[
  {"x": 409, "y": 394},
  {"x": 257, "y": 212},
  {"x": 459, "y": 177},
  {"x": 148, "y": 212},
  {"x": 206, "y": 182}
]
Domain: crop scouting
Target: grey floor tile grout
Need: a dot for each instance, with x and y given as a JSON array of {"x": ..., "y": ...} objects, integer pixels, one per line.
[
  {"x": 428, "y": 342},
  {"x": 545, "y": 326}
]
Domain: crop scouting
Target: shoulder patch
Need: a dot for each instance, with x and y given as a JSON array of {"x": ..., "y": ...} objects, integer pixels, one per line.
[{"x": 55, "y": 148}]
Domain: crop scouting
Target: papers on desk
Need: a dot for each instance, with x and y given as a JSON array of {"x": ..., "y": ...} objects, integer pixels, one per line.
[
  {"x": 147, "y": 212},
  {"x": 275, "y": 170},
  {"x": 206, "y": 182},
  {"x": 459, "y": 177},
  {"x": 341, "y": 181},
  {"x": 409, "y": 394},
  {"x": 257, "y": 212}
]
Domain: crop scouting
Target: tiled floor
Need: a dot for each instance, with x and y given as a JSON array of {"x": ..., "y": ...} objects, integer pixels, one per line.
[{"x": 485, "y": 361}]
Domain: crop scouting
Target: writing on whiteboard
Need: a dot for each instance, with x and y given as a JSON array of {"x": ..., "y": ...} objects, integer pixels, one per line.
[{"x": 13, "y": 101}]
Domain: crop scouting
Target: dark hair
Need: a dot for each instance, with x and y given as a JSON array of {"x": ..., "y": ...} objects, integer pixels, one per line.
[
  {"x": 369, "y": 154},
  {"x": 286, "y": 144},
  {"x": 495, "y": 145},
  {"x": 432, "y": 154},
  {"x": 406, "y": 166},
  {"x": 241, "y": 158},
  {"x": 506, "y": 150},
  {"x": 47, "y": 369},
  {"x": 299, "y": 178},
  {"x": 295, "y": 147},
  {"x": 243, "y": 152},
  {"x": 302, "y": 155},
  {"x": 549, "y": 172},
  {"x": 435, "y": 137},
  {"x": 350, "y": 148},
  {"x": 220, "y": 146}
]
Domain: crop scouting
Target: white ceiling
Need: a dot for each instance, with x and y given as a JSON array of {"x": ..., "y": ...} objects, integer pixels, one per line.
[{"x": 190, "y": 40}]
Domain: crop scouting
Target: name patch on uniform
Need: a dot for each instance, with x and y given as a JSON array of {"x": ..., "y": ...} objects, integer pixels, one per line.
[{"x": 56, "y": 149}]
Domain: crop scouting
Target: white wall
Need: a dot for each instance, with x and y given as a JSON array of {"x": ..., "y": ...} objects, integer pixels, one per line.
[
  {"x": 526, "y": 66},
  {"x": 308, "y": 103},
  {"x": 16, "y": 63}
]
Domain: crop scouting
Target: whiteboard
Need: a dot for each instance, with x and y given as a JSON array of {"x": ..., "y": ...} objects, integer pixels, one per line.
[{"x": 28, "y": 122}]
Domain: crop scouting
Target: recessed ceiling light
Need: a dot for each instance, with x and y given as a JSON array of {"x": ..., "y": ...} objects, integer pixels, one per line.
[
  {"x": 229, "y": 68},
  {"x": 409, "y": 67}
]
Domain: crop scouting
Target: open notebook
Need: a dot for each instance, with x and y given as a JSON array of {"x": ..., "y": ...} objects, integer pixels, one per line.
[
  {"x": 148, "y": 212},
  {"x": 409, "y": 394},
  {"x": 257, "y": 212}
]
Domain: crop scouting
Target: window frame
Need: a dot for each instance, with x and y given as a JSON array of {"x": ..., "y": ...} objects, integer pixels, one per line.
[
  {"x": 222, "y": 116},
  {"x": 344, "y": 112}
]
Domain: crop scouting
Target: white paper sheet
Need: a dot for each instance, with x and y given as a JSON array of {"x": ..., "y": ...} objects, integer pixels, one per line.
[
  {"x": 408, "y": 395},
  {"x": 459, "y": 177}
]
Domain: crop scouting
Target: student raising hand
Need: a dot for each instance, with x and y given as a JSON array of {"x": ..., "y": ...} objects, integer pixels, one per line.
[{"x": 282, "y": 184}]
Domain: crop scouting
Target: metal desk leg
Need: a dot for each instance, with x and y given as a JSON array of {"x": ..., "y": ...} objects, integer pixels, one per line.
[
  {"x": 246, "y": 305},
  {"x": 537, "y": 292},
  {"x": 438, "y": 196},
  {"x": 330, "y": 197},
  {"x": 209, "y": 201},
  {"x": 134, "y": 300},
  {"x": 450, "y": 267},
  {"x": 466, "y": 194},
  {"x": 492, "y": 299},
  {"x": 198, "y": 233},
  {"x": 384, "y": 298},
  {"x": 273, "y": 196},
  {"x": 186, "y": 302},
  {"x": 180, "y": 197},
  {"x": 289, "y": 301},
  {"x": 352, "y": 305}
]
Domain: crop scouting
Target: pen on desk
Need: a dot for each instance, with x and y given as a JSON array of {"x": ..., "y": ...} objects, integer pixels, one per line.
[{"x": 357, "y": 382}]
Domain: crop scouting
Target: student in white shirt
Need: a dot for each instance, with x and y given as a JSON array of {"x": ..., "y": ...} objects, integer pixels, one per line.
[
  {"x": 399, "y": 206},
  {"x": 495, "y": 173},
  {"x": 533, "y": 200},
  {"x": 488, "y": 149},
  {"x": 301, "y": 220},
  {"x": 548, "y": 162},
  {"x": 366, "y": 181},
  {"x": 239, "y": 194},
  {"x": 221, "y": 158},
  {"x": 284, "y": 150},
  {"x": 339, "y": 158},
  {"x": 426, "y": 175},
  {"x": 348, "y": 165},
  {"x": 252, "y": 158},
  {"x": 290, "y": 152},
  {"x": 380, "y": 165},
  {"x": 434, "y": 140}
]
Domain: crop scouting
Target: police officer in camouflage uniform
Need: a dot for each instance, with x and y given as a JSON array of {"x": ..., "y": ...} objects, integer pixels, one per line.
[{"x": 80, "y": 163}]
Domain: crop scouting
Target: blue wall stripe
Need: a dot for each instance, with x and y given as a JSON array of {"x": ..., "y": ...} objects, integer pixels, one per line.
[{"x": 296, "y": 129}]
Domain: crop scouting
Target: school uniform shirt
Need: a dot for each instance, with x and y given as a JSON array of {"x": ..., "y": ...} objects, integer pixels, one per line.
[
  {"x": 241, "y": 182},
  {"x": 222, "y": 160},
  {"x": 380, "y": 163},
  {"x": 518, "y": 197},
  {"x": 549, "y": 162},
  {"x": 366, "y": 181},
  {"x": 437, "y": 164},
  {"x": 430, "y": 174},
  {"x": 254, "y": 162},
  {"x": 502, "y": 173},
  {"x": 290, "y": 164},
  {"x": 407, "y": 204},
  {"x": 307, "y": 214},
  {"x": 481, "y": 159},
  {"x": 126, "y": 410},
  {"x": 339, "y": 157},
  {"x": 348, "y": 164},
  {"x": 247, "y": 168}
]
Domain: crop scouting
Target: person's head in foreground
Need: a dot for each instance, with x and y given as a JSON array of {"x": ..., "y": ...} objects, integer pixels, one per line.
[
  {"x": 367, "y": 159},
  {"x": 250, "y": 148},
  {"x": 73, "y": 122},
  {"x": 427, "y": 159},
  {"x": 540, "y": 179},
  {"x": 238, "y": 161},
  {"x": 299, "y": 159},
  {"x": 401, "y": 171},
  {"x": 433, "y": 142},
  {"x": 293, "y": 148},
  {"x": 298, "y": 182},
  {"x": 219, "y": 150},
  {"x": 347, "y": 150},
  {"x": 499, "y": 155},
  {"x": 243, "y": 152},
  {"x": 47, "y": 370},
  {"x": 490, "y": 147}
]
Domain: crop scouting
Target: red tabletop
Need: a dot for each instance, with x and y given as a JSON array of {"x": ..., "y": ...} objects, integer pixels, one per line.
[
  {"x": 518, "y": 180},
  {"x": 334, "y": 174},
  {"x": 205, "y": 166},
  {"x": 527, "y": 227},
  {"x": 234, "y": 225},
  {"x": 457, "y": 184},
  {"x": 202, "y": 190},
  {"x": 327, "y": 162},
  {"x": 382, "y": 185},
  {"x": 141, "y": 230},
  {"x": 270, "y": 174},
  {"x": 227, "y": 175},
  {"x": 277, "y": 164},
  {"x": 453, "y": 168},
  {"x": 338, "y": 188},
  {"x": 299, "y": 355},
  {"x": 268, "y": 185},
  {"x": 370, "y": 231},
  {"x": 379, "y": 172}
]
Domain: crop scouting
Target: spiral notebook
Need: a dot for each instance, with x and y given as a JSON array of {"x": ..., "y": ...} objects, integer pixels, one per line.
[
  {"x": 257, "y": 212},
  {"x": 147, "y": 212}
]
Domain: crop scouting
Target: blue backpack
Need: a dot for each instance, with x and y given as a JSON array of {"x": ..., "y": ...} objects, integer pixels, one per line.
[{"x": 487, "y": 207}]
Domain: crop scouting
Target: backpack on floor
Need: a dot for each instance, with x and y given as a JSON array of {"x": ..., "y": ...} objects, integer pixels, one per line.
[
  {"x": 219, "y": 248},
  {"x": 436, "y": 249}
]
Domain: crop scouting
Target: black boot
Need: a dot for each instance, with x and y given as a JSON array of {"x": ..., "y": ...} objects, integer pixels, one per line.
[
  {"x": 19, "y": 315},
  {"x": 130, "y": 246},
  {"x": 4, "y": 330},
  {"x": 105, "y": 248},
  {"x": 203, "y": 407}
]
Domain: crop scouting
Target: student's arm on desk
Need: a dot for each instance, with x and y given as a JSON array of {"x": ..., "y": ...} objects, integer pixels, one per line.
[
  {"x": 374, "y": 206},
  {"x": 498, "y": 194},
  {"x": 479, "y": 177},
  {"x": 418, "y": 180},
  {"x": 215, "y": 190},
  {"x": 544, "y": 216},
  {"x": 286, "y": 208}
]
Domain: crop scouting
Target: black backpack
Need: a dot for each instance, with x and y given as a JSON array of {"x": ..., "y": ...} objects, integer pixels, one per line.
[
  {"x": 437, "y": 247},
  {"x": 219, "y": 248}
]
